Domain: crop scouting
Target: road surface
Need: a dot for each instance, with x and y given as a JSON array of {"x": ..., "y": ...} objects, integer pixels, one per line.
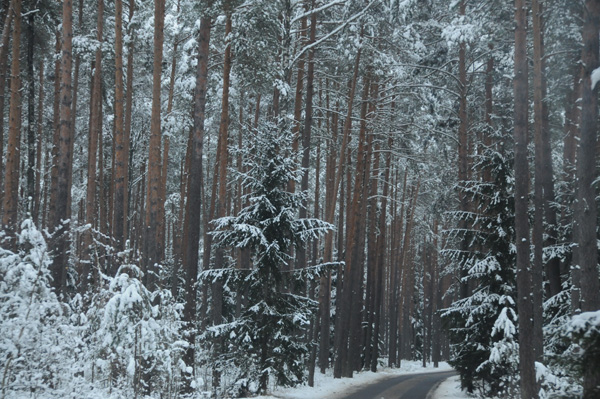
[{"x": 411, "y": 386}]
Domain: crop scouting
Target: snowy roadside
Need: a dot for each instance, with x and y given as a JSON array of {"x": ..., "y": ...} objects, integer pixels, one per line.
[
  {"x": 449, "y": 389},
  {"x": 326, "y": 387}
]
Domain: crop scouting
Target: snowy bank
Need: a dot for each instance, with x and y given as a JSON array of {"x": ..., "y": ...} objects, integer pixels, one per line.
[
  {"x": 449, "y": 389},
  {"x": 327, "y": 387}
]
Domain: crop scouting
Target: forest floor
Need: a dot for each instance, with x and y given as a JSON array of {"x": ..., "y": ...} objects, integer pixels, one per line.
[{"x": 326, "y": 387}]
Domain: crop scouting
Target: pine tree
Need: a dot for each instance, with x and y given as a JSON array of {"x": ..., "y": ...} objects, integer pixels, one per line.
[
  {"x": 483, "y": 324},
  {"x": 264, "y": 339}
]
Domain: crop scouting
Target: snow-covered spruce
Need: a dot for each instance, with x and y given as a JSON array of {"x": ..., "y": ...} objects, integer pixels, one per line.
[
  {"x": 264, "y": 341},
  {"x": 484, "y": 323}
]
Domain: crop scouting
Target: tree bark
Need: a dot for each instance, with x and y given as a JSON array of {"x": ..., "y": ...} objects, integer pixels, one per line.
[
  {"x": 6, "y": 31},
  {"x": 325, "y": 283},
  {"x": 62, "y": 191},
  {"x": 349, "y": 311},
  {"x": 193, "y": 212},
  {"x": 221, "y": 205},
  {"x": 408, "y": 277},
  {"x": 121, "y": 158},
  {"x": 436, "y": 326},
  {"x": 95, "y": 133},
  {"x": 127, "y": 124},
  {"x": 31, "y": 139},
  {"x": 463, "y": 150},
  {"x": 394, "y": 298},
  {"x": 53, "y": 164},
  {"x": 329, "y": 216},
  {"x": 528, "y": 382},
  {"x": 380, "y": 262},
  {"x": 37, "y": 209},
  {"x": 13, "y": 151},
  {"x": 154, "y": 202},
  {"x": 540, "y": 124},
  {"x": 586, "y": 207}
]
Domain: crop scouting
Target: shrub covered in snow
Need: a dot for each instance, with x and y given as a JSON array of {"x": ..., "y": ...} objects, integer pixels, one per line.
[
  {"x": 37, "y": 342},
  {"x": 135, "y": 335}
]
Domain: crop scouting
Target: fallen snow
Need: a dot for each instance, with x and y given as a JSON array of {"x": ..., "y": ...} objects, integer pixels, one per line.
[
  {"x": 449, "y": 389},
  {"x": 326, "y": 387},
  {"x": 595, "y": 77}
]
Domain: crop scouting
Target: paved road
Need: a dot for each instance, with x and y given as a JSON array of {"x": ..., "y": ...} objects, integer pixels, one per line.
[{"x": 412, "y": 386}]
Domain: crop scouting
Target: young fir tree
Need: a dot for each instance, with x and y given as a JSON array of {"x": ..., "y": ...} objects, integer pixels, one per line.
[
  {"x": 483, "y": 324},
  {"x": 264, "y": 339}
]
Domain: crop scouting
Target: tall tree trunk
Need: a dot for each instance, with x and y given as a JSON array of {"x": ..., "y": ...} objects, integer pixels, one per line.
[
  {"x": 127, "y": 124},
  {"x": 521, "y": 167},
  {"x": 3, "y": 65},
  {"x": 380, "y": 262},
  {"x": 50, "y": 194},
  {"x": 193, "y": 212},
  {"x": 31, "y": 139},
  {"x": 436, "y": 336},
  {"x": 221, "y": 206},
  {"x": 349, "y": 311},
  {"x": 586, "y": 207},
  {"x": 393, "y": 360},
  {"x": 298, "y": 109},
  {"x": 325, "y": 283},
  {"x": 13, "y": 150},
  {"x": 62, "y": 191},
  {"x": 408, "y": 277},
  {"x": 329, "y": 215},
  {"x": 315, "y": 259},
  {"x": 40, "y": 146},
  {"x": 463, "y": 150},
  {"x": 369, "y": 312},
  {"x": 121, "y": 157},
  {"x": 95, "y": 129},
  {"x": 81, "y": 205},
  {"x": 308, "y": 122},
  {"x": 154, "y": 202},
  {"x": 537, "y": 235}
]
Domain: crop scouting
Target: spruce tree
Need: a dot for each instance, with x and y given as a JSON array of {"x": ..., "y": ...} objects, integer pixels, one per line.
[
  {"x": 264, "y": 339},
  {"x": 483, "y": 325}
]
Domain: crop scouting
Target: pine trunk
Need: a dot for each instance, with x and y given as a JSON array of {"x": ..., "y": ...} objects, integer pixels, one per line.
[
  {"x": 37, "y": 209},
  {"x": 463, "y": 150},
  {"x": 62, "y": 191},
  {"x": 121, "y": 156},
  {"x": 193, "y": 211},
  {"x": 6, "y": 31},
  {"x": 127, "y": 127},
  {"x": 13, "y": 150},
  {"x": 31, "y": 139},
  {"x": 585, "y": 209},
  {"x": 154, "y": 202},
  {"x": 537, "y": 235},
  {"x": 221, "y": 205},
  {"x": 329, "y": 215},
  {"x": 521, "y": 168}
]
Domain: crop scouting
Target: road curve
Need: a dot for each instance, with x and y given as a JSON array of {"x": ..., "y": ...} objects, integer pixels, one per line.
[{"x": 410, "y": 386}]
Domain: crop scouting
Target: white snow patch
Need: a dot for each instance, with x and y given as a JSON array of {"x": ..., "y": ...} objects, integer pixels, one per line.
[
  {"x": 450, "y": 389},
  {"x": 326, "y": 387},
  {"x": 595, "y": 77}
]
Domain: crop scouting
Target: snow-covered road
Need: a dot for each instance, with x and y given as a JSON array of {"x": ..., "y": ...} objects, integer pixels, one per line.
[{"x": 326, "y": 387}]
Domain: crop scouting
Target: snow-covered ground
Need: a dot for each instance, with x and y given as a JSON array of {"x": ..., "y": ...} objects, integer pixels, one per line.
[
  {"x": 326, "y": 387},
  {"x": 450, "y": 389}
]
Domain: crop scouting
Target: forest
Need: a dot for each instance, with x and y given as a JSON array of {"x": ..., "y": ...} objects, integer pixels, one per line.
[{"x": 215, "y": 198}]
